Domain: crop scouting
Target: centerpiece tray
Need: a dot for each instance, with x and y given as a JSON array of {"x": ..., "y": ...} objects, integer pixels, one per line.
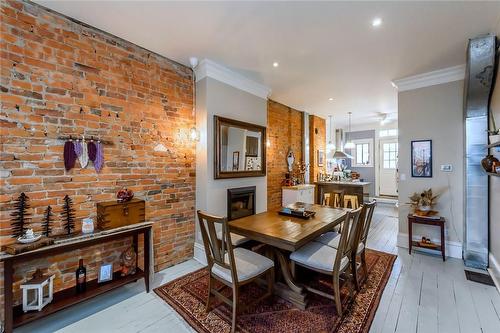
[{"x": 301, "y": 214}]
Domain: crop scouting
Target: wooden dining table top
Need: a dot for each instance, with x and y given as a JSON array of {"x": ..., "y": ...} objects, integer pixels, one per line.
[{"x": 285, "y": 232}]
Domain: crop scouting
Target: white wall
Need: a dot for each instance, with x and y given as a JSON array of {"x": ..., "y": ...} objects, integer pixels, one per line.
[
  {"x": 434, "y": 113},
  {"x": 214, "y": 97}
]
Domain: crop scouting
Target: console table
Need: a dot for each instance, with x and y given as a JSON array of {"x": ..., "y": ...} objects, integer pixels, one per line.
[
  {"x": 14, "y": 316},
  {"x": 426, "y": 221}
]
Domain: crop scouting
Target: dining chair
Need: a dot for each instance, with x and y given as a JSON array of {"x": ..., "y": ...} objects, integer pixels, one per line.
[
  {"x": 234, "y": 268},
  {"x": 332, "y": 239},
  {"x": 361, "y": 249},
  {"x": 327, "y": 260}
]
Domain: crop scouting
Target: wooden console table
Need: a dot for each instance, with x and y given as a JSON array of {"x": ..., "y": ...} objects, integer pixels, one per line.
[
  {"x": 14, "y": 316},
  {"x": 426, "y": 221}
]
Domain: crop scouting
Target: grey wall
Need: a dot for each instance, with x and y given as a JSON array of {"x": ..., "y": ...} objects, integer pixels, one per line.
[
  {"x": 216, "y": 98},
  {"x": 367, "y": 173},
  {"x": 434, "y": 113}
]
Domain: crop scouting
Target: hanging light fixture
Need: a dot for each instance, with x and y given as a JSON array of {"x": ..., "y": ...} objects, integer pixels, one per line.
[
  {"x": 331, "y": 145},
  {"x": 349, "y": 144}
]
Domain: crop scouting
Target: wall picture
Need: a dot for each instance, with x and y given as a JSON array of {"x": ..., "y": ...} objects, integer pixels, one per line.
[
  {"x": 236, "y": 160},
  {"x": 321, "y": 158},
  {"x": 421, "y": 158}
]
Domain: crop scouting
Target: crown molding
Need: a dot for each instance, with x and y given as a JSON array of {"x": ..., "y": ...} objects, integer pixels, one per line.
[
  {"x": 209, "y": 68},
  {"x": 433, "y": 78}
]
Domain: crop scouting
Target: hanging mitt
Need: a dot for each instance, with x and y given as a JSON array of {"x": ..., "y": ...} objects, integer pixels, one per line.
[
  {"x": 92, "y": 150},
  {"x": 69, "y": 155},
  {"x": 81, "y": 152},
  {"x": 99, "y": 158}
]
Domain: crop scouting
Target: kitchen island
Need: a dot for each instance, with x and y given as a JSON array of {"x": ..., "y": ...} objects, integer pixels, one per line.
[{"x": 358, "y": 188}]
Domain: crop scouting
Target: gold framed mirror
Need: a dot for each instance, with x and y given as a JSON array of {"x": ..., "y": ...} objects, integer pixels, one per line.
[{"x": 240, "y": 149}]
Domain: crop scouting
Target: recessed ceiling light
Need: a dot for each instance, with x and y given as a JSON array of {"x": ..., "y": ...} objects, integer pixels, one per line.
[
  {"x": 330, "y": 99},
  {"x": 275, "y": 64},
  {"x": 376, "y": 22},
  {"x": 394, "y": 85}
]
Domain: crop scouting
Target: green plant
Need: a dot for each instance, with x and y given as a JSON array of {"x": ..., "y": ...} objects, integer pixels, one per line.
[{"x": 494, "y": 130}]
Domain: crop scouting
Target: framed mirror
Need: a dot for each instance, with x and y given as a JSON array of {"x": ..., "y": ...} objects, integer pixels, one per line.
[{"x": 240, "y": 149}]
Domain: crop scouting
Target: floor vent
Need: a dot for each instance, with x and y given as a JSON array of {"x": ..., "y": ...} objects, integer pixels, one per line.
[{"x": 479, "y": 278}]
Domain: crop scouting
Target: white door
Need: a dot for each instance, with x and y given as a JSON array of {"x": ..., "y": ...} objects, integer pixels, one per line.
[{"x": 388, "y": 167}]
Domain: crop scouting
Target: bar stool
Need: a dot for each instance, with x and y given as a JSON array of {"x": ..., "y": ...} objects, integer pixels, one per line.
[
  {"x": 338, "y": 198},
  {"x": 351, "y": 199},
  {"x": 326, "y": 199}
]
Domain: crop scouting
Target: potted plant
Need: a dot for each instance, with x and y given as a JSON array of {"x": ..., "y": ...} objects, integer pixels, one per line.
[
  {"x": 494, "y": 132},
  {"x": 423, "y": 202}
]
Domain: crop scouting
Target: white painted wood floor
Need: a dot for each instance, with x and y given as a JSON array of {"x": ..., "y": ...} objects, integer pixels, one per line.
[{"x": 423, "y": 295}]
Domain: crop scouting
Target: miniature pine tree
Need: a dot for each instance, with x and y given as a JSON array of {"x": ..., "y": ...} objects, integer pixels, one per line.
[
  {"x": 19, "y": 216},
  {"x": 68, "y": 215},
  {"x": 47, "y": 223}
]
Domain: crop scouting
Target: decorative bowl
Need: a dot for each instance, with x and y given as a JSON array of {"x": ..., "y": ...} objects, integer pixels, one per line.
[{"x": 24, "y": 240}]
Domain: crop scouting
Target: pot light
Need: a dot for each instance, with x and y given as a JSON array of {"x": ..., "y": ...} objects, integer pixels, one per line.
[
  {"x": 275, "y": 64},
  {"x": 330, "y": 99},
  {"x": 376, "y": 22}
]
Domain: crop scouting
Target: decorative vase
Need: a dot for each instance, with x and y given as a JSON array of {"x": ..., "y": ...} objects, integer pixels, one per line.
[
  {"x": 423, "y": 208},
  {"x": 487, "y": 162},
  {"x": 494, "y": 138}
]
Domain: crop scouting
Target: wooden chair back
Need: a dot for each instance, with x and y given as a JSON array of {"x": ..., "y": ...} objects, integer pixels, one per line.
[
  {"x": 347, "y": 237},
  {"x": 369, "y": 208},
  {"x": 215, "y": 248}
]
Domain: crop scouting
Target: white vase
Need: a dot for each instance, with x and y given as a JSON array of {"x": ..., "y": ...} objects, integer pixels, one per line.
[{"x": 494, "y": 138}]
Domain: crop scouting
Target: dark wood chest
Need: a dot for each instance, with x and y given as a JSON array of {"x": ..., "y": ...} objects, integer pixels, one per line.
[{"x": 113, "y": 214}]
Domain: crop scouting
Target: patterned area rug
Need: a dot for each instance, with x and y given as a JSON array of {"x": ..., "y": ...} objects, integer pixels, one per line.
[{"x": 187, "y": 295}]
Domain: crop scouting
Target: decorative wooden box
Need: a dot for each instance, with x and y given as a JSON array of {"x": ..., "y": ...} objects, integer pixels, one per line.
[{"x": 113, "y": 214}]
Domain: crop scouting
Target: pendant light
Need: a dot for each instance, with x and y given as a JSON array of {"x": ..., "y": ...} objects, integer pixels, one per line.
[
  {"x": 331, "y": 145},
  {"x": 349, "y": 144}
]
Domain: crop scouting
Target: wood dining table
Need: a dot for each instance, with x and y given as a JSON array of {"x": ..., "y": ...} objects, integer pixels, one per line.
[{"x": 285, "y": 234}]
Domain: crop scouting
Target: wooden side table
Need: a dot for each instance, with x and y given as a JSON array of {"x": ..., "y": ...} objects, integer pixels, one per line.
[{"x": 427, "y": 221}]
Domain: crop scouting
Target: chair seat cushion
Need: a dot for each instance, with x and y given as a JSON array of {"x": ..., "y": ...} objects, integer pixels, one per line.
[
  {"x": 332, "y": 239},
  {"x": 248, "y": 265},
  {"x": 317, "y": 256},
  {"x": 236, "y": 239}
]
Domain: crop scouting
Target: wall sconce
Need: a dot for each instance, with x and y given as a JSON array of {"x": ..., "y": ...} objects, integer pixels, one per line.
[
  {"x": 194, "y": 135},
  {"x": 268, "y": 143}
]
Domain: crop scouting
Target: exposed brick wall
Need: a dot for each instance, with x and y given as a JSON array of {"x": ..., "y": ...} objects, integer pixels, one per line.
[
  {"x": 317, "y": 141},
  {"x": 59, "y": 77},
  {"x": 284, "y": 130}
]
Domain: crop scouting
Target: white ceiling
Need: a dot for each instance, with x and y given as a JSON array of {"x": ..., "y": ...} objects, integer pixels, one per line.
[{"x": 324, "y": 49}]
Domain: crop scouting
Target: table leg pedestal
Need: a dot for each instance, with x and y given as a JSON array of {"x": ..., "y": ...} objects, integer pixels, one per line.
[{"x": 289, "y": 290}]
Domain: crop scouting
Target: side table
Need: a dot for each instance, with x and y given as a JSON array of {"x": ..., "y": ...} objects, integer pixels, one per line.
[{"x": 427, "y": 221}]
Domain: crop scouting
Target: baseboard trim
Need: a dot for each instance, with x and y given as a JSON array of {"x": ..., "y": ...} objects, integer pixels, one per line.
[
  {"x": 453, "y": 249},
  {"x": 494, "y": 271},
  {"x": 199, "y": 253}
]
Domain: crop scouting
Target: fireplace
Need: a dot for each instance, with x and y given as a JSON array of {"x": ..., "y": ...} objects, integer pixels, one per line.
[{"x": 240, "y": 202}]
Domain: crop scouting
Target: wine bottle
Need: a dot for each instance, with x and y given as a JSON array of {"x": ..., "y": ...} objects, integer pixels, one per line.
[{"x": 81, "y": 277}]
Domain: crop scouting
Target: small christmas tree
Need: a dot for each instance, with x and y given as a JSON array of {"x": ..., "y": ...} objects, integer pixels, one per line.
[
  {"x": 47, "y": 221},
  {"x": 19, "y": 216},
  {"x": 68, "y": 215}
]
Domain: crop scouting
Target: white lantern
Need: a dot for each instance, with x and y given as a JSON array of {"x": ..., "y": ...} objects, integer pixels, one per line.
[{"x": 41, "y": 289}]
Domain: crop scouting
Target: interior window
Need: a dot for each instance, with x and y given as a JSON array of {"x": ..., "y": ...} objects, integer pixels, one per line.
[{"x": 363, "y": 153}]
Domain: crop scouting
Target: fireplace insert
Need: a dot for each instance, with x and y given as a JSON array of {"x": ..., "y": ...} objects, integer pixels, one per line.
[{"x": 240, "y": 202}]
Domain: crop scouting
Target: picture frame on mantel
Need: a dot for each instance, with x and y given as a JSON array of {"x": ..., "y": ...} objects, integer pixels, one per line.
[{"x": 421, "y": 158}]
